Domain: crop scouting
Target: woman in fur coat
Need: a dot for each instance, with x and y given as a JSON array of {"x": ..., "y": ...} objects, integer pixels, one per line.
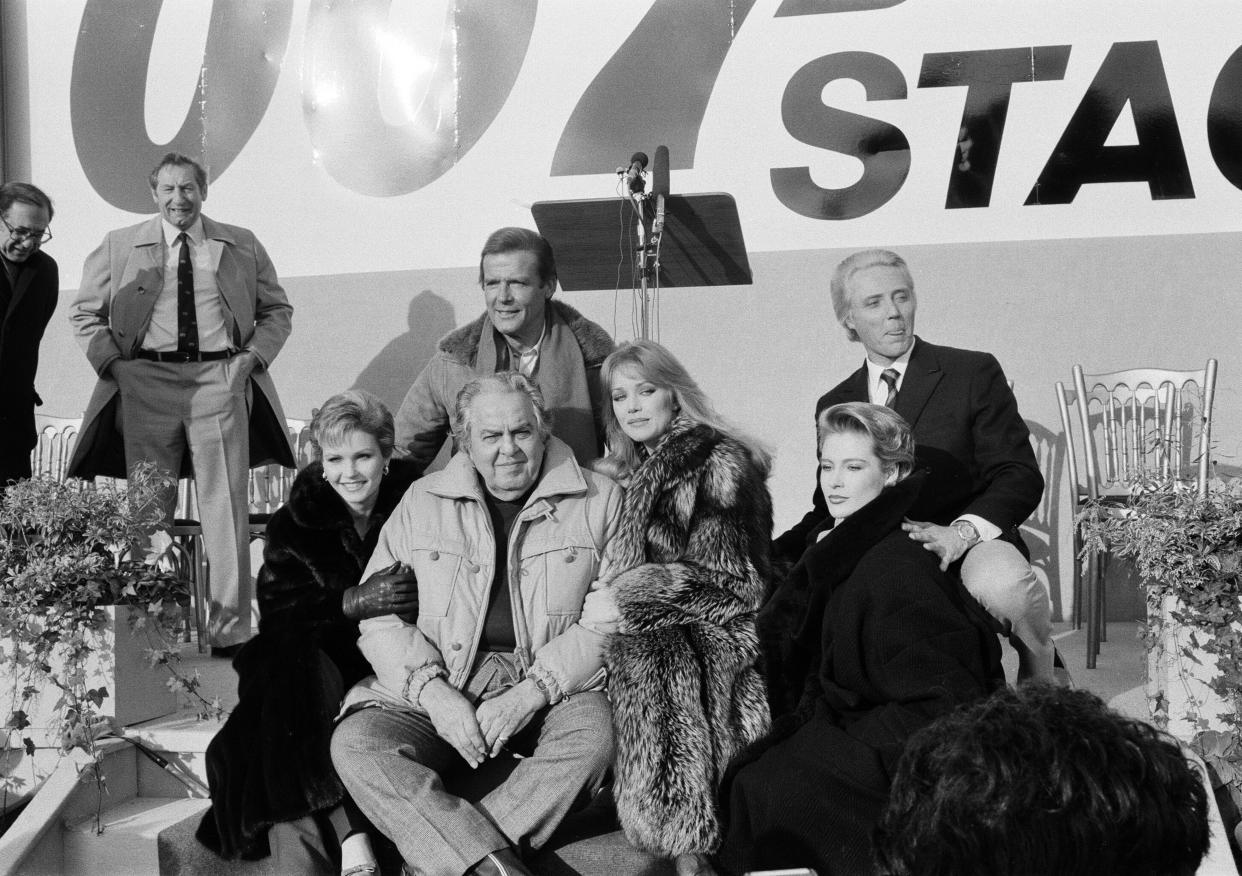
[
  {"x": 686, "y": 571},
  {"x": 867, "y": 641},
  {"x": 272, "y": 781}
]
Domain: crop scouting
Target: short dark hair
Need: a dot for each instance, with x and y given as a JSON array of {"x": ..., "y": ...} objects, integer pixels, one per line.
[
  {"x": 514, "y": 239},
  {"x": 1042, "y": 779},
  {"x": 25, "y": 193},
  {"x": 176, "y": 159}
]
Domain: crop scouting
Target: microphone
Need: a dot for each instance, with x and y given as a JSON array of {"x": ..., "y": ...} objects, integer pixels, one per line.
[
  {"x": 633, "y": 173},
  {"x": 659, "y": 172}
]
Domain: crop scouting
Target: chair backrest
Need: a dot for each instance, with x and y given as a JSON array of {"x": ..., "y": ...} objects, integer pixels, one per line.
[
  {"x": 57, "y": 437},
  {"x": 270, "y": 484},
  {"x": 1137, "y": 424}
]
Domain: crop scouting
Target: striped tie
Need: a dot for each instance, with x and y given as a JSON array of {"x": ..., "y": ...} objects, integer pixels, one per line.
[{"x": 889, "y": 377}]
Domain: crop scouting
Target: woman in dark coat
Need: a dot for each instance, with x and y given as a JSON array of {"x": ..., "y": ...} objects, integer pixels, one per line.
[
  {"x": 866, "y": 642},
  {"x": 269, "y": 766},
  {"x": 687, "y": 570}
]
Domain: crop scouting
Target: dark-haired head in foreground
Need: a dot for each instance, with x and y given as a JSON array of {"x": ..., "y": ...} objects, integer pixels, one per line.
[{"x": 1042, "y": 780}]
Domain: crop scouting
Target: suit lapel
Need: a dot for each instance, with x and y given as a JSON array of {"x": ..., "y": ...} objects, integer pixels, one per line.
[
  {"x": 140, "y": 286},
  {"x": 229, "y": 282},
  {"x": 920, "y": 381},
  {"x": 855, "y": 386}
]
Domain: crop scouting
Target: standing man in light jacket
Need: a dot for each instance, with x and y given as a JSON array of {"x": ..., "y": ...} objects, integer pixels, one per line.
[
  {"x": 504, "y": 542},
  {"x": 181, "y": 316},
  {"x": 523, "y": 329}
]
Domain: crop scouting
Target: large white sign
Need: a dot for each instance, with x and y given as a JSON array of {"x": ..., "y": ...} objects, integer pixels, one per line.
[{"x": 371, "y": 136}]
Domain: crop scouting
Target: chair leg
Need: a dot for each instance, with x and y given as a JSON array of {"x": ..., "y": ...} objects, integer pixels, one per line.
[
  {"x": 1092, "y": 606},
  {"x": 1076, "y": 617},
  {"x": 202, "y": 592},
  {"x": 1103, "y": 591}
]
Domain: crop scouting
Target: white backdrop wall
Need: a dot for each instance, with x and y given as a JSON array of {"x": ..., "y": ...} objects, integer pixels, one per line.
[{"x": 1120, "y": 273}]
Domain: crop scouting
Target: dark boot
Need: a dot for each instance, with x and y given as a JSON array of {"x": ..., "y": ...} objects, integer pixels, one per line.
[{"x": 502, "y": 863}]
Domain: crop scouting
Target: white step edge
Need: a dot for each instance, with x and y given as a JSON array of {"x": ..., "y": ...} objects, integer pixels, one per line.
[{"x": 129, "y": 844}]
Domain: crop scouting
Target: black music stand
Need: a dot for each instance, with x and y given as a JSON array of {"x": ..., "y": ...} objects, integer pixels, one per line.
[{"x": 597, "y": 245}]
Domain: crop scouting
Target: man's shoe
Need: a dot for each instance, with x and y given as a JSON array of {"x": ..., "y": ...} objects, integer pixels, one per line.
[
  {"x": 228, "y": 652},
  {"x": 502, "y": 863}
]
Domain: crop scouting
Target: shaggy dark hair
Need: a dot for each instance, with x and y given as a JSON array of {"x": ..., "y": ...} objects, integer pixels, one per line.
[{"x": 1042, "y": 780}]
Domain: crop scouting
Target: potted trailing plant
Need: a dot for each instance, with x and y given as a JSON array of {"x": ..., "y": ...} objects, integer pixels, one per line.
[
  {"x": 1187, "y": 548},
  {"x": 73, "y": 596}
]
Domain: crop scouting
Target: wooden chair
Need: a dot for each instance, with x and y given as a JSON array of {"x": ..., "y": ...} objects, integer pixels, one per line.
[
  {"x": 58, "y": 436},
  {"x": 1122, "y": 429},
  {"x": 270, "y": 484}
]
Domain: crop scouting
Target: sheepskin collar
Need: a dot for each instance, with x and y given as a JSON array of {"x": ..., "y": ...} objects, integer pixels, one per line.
[
  {"x": 315, "y": 505},
  {"x": 462, "y": 344}
]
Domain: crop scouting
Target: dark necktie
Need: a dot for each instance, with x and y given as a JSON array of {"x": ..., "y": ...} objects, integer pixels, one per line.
[
  {"x": 889, "y": 378},
  {"x": 187, "y": 316}
]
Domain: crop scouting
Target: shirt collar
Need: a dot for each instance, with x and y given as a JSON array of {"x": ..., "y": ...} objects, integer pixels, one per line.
[
  {"x": 194, "y": 232},
  {"x": 874, "y": 369}
]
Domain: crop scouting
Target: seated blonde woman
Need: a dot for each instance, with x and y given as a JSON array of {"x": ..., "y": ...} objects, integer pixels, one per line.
[
  {"x": 686, "y": 571},
  {"x": 864, "y": 643}
]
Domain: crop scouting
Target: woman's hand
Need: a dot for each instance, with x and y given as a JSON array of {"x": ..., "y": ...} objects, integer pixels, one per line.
[
  {"x": 943, "y": 541},
  {"x": 454, "y": 719},
  {"x": 505, "y": 714},
  {"x": 600, "y": 612},
  {"x": 393, "y": 590}
]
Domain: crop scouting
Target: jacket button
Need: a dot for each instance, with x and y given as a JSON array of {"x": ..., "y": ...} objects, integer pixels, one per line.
[
  {"x": 570, "y": 557},
  {"x": 456, "y": 646},
  {"x": 435, "y": 555},
  {"x": 474, "y": 567}
]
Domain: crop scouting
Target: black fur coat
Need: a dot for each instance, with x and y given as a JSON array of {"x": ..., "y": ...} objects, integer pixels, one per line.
[
  {"x": 692, "y": 550},
  {"x": 866, "y": 642},
  {"x": 270, "y": 762}
]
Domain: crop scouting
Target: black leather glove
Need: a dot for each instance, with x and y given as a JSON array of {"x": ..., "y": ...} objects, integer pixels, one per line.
[{"x": 393, "y": 590}]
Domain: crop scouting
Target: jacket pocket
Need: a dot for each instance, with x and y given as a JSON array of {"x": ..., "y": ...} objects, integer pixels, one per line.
[
  {"x": 556, "y": 572},
  {"x": 438, "y": 565}
]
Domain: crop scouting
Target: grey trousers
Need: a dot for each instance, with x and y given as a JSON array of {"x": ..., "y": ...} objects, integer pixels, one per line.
[{"x": 415, "y": 787}]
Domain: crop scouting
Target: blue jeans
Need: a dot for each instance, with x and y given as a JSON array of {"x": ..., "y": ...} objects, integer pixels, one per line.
[{"x": 416, "y": 788}]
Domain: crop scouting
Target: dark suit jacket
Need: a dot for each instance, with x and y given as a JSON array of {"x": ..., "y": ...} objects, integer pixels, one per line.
[
  {"x": 32, "y": 302},
  {"x": 967, "y": 433}
]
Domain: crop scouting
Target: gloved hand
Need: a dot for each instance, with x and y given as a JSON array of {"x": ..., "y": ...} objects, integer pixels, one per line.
[{"x": 393, "y": 590}]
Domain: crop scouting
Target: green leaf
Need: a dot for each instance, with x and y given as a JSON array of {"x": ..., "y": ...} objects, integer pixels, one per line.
[{"x": 18, "y": 721}]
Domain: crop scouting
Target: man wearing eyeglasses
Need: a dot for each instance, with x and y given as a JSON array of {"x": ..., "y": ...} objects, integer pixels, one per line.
[
  {"x": 181, "y": 316},
  {"x": 29, "y": 285}
]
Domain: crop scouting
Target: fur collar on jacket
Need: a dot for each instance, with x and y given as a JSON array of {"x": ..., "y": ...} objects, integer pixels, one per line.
[
  {"x": 313, "y": 503},
  {"x": 790, "y": 624},
  {"x": 462, "y": 344}
]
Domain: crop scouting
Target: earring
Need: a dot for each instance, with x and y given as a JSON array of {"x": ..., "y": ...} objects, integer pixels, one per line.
[{"x": 385, "y": 468}]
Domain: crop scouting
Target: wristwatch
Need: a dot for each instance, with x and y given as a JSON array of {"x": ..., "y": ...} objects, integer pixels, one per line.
[{"x": 967, "y": 532}]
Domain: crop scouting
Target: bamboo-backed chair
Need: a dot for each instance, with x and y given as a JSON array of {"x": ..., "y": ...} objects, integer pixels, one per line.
[{"x": 1123, "y": 429}]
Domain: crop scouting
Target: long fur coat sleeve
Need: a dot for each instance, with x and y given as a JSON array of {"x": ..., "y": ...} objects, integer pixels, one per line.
[{"x": 690, "y": 566}]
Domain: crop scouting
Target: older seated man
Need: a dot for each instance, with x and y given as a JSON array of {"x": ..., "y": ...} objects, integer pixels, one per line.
[{"x": 504, "y": 542}]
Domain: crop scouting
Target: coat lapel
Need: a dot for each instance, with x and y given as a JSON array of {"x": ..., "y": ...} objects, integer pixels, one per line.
[{"x": 920, "y": 381}]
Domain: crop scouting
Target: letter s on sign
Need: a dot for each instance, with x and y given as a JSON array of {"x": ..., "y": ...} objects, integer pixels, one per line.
[{"x": 882, "y": 148}]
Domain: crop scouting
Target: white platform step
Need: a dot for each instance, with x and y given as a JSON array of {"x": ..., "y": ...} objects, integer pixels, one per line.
[{"x": 128, "y": 845}]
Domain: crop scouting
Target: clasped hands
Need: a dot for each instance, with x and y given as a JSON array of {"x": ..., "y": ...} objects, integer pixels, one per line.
[
  {"x": 480, "y": 733},
  {"x": 392, "y": 590},
  {"x": 943, "y": 541}
]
